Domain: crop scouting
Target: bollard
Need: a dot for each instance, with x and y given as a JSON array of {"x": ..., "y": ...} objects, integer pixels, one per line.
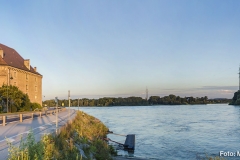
[
  {"x": 4, "y": 120},
  {"x": 20, "y": 117},
  {"x": 40, "y": 114},
  {"x": 32, "y": 115}
]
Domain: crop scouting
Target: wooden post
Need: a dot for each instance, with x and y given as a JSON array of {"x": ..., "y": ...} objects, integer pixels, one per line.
[
  {"x": 20, "y": 117},
  {"x": 4, "y": 120}
]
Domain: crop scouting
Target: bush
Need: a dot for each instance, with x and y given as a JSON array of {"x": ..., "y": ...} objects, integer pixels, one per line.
[
  {"x": 30, "y": 149},
  {"x": 35, "y": 106},
  {"x": 13, "y": 109}
]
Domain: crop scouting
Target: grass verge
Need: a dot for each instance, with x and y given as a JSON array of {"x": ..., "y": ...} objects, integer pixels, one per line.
[{"x": 82, "y": 139}]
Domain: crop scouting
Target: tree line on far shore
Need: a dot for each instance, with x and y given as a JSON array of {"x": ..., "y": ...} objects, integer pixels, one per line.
[
  {"x": 18, "y": 101},
  {"x": 136, "y": 101}
]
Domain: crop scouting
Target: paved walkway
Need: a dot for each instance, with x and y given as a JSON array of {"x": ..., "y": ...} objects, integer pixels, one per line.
[{"x": 13, "y": 132}]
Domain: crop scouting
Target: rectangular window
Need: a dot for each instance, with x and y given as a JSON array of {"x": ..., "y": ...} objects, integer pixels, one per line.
[
  {"x": 35, "y": 88},
  {"x": 26, "y": 87},
  {"x": 15, "y": 74},
  {"x": 26, "y": 76},
  {"x": 35, "y": 79}
]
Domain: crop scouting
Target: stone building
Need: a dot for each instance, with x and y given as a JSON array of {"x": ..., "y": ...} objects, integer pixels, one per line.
[{"x": 14, "y": 70}]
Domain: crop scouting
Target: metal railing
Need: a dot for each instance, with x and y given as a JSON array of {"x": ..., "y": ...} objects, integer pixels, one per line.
[{"x": 6, "y": 118}]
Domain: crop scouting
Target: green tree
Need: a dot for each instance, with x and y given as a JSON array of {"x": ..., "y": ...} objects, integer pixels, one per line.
[
  {"x": 13, "y": 96},
  {"x": 154, "y": 100},
  {"x": 16, "y": 99},
  {"x": 26, "y": 104}
]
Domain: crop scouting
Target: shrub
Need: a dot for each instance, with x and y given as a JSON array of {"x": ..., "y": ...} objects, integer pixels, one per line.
[
  {"x": 35, "y": 106},
  {"x": 13, "y": 109},
  {"x": 27, "y": 150}
]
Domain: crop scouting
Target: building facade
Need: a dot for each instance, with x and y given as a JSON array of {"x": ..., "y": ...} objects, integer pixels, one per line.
[{"x": 14, "y": 70}]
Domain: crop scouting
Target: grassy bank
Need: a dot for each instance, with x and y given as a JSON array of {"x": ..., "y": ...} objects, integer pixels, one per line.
[{"x": 79, "y": 140}]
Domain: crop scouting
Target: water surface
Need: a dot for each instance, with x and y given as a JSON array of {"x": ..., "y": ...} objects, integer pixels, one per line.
[{"x": 174, "y": 131}]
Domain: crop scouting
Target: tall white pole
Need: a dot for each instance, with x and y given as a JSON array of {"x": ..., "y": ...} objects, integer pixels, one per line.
[
  {"x": 146, "y": 93},
  {"x": 69, "y": 105},
  {"x": 78, "y": 104},
  {"x": 56, "y": 100}
]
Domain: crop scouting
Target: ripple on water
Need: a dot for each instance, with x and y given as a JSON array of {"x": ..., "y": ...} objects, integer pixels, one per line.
[{"x": 175, "y": 132}]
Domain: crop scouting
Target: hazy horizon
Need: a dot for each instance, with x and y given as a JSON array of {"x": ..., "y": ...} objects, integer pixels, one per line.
[{"x": 118, "y": 48}]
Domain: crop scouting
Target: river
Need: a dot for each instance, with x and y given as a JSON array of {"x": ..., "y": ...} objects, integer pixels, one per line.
[{"x": 175, "y": 131}]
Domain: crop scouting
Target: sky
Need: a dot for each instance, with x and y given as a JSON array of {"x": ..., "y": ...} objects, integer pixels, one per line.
[{"x": 118, "y": 48}]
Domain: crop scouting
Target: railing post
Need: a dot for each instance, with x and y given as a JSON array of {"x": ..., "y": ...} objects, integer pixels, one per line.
[
  {"x": 4, "y": 120},
  {"x": 20, "y": 117}
]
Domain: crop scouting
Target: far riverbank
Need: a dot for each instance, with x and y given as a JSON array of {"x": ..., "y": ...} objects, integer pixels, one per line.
[{"x": 138, "y": 101}]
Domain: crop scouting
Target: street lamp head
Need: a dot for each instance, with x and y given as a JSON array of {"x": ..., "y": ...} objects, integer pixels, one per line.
[{"x": 56, "y": 99}]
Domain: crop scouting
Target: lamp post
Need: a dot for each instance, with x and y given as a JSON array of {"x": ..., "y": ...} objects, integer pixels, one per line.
[
  {"x": 8, "y": 81},
  {"x": 78, "y": 104},
  {"x": 56, "y": 100},
  {"x": 68, "y": 105},
  {"x": 43, "y": 100}
]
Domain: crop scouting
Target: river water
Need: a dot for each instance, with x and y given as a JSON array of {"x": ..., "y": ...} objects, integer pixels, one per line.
[{"x": 175, "y": 131}]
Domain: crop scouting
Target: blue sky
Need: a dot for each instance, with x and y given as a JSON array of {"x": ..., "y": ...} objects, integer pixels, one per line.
[{"x": 118, "y": 48}]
